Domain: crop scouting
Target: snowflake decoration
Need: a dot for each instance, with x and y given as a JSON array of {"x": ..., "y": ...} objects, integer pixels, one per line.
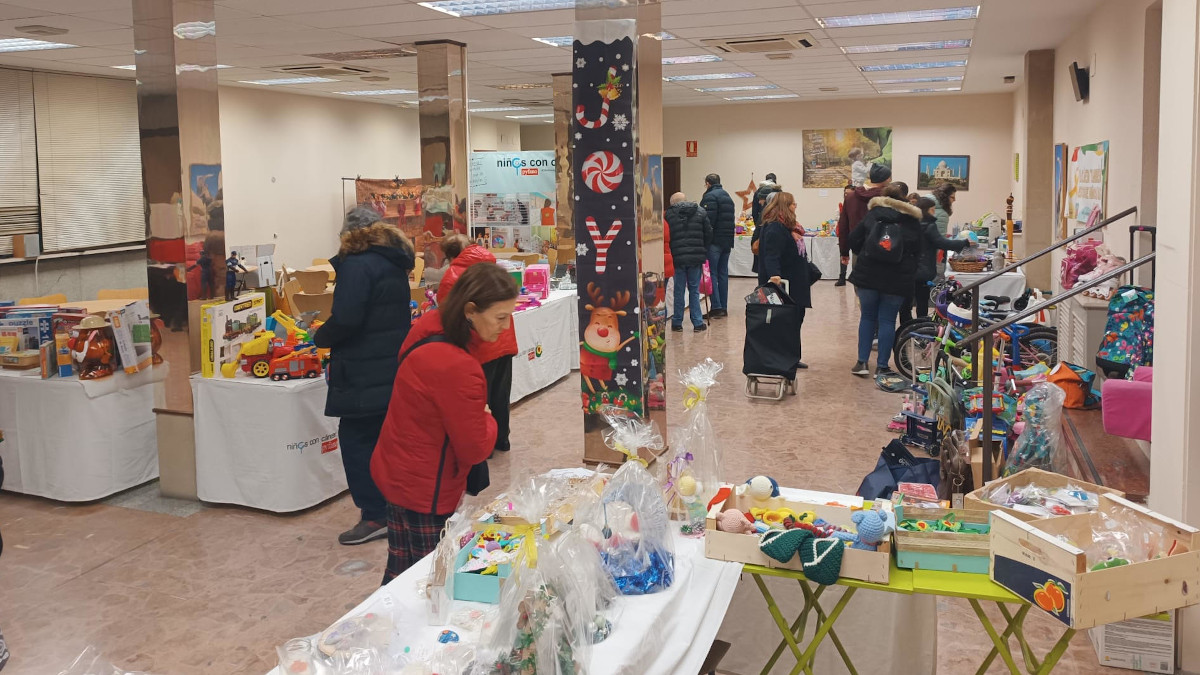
[
  {"x": 633, "y": 362},
  {"x": 624, "y": 145},
  {"x": 637, "y": 310},
  {"x": 627, "y": 199},
  {"x": 621, "y": 379},
  {"x": 580, "y": 62},
  {"x": 578, "y": 136},
  {"x": 581, "y": 249},
  {"x": 601, "y": 60},
  {"x": 620, "y": 122},
  {"x": 618, "y": 56},
  {"x": 625, "y": 67},
  {"x": 629, "y": 349}
]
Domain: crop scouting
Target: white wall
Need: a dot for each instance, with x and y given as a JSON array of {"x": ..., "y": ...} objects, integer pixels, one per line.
[
  {"x": 537, "y": 136},
  {"x": 489, "y": 134},
  {"x": 739, "y": 140}
]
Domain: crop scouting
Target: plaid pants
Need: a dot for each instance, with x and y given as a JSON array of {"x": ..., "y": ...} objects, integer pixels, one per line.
[{"x": 411, "y": 536}]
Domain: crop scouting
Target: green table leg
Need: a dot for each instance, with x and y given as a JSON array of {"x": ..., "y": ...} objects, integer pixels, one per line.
[
  {"x": 1010, "y": 629},
  {"x": 788, "y": 637},
  {"x": 1016, "y": 627},
  {"x": 1055, "y": 654},
  {"x": 797, "y": 628},
  {"x": 1001, "y": 644},
  {"x": 823, "y": 629},
  {"x": 815, "y": 596}
]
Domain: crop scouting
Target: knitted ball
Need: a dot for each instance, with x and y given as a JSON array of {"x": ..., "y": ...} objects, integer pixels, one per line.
[
  {"x": 762, "y": 488},
  {"x": 687, "y": 486},
  {"x": 732, "y": 520}
]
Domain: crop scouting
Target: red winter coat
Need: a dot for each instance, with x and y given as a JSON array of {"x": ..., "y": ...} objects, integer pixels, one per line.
[
  {"x": 669, "y": 261},
  {"x": 484, "y": 351},
  {"x": 439, "y": 401}
]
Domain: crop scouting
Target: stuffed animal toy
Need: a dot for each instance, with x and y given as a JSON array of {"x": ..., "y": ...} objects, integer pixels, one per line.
[
  {"x": 873, "y": 527},
  {"x": 762, "y": 488},
  {"x": 732, "y": 520}
]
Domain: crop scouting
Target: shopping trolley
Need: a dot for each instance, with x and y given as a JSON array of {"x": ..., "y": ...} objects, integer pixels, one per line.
[{"x": 772, "y": 350}]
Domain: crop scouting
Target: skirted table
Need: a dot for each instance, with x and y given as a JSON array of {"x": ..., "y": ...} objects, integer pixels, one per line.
[
  {"x": 823, "y": 251},
  {"x": 547, "y": 344}
]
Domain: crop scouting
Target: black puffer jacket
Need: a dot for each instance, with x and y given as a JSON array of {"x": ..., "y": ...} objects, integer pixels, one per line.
[
  {"x": 691, "y": 234},
  {"x": 934, "y": 241},
  {"x": 760, "y": 200},
  {"x": 369, "y": 321},
  {"x": 891, "y": 279},
  {"x": 722, "y": 215}
]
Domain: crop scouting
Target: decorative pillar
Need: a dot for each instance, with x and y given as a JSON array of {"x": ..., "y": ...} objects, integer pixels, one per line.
[
  {"x": 617, "y": 173},
  {"x": 442, "y": 84},
  {"x": 564, "y": 126},
  {"x": 176, "y": 58},
  {"x": 1039, "y": 228}
]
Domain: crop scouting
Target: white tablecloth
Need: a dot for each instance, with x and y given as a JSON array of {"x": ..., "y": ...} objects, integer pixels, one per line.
[
  {"x": 63, "y": 444},
  {"x": 547, "y": 344},
  {"x": 1011, "y": 284},
  {"x": 821, "y": 250},
  {"x": 264, "y": 444},
  {"x": 741, "y": 258},
  {"x": 667, "y": 633}
]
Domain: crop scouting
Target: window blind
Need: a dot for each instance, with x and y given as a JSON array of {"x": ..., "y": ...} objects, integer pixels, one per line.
[
  {"x": 89, "y": 161},
  {"x": 18, "y": 158}
]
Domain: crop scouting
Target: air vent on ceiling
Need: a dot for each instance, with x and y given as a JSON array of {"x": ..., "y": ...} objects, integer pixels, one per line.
[
  {"x": 398, "y": 52},
  {"x": 827, "y": 89},
  {"x": 375, "y": 78},
  {"x": 779, "y": 56},
  {"x": 39, "y": 29},
  {"x": 758, "y": 44},
  {"x": 325, "y": 70}
]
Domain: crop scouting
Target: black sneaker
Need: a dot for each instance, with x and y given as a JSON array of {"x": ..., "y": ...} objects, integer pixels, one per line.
[
  {"x": 720, "y": 313},
  {"x": 860, "y": 369},
  {"x": 840, "y": 282},
  {"x": 697, "y": 329},
  {"x": 364, "y": 531},
  {"x": 676, "y": 329},
  {"x": 802, "y": 365}
]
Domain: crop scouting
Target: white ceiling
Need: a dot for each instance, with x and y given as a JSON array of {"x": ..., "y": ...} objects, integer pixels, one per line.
[{"x": 255, "y": 36}]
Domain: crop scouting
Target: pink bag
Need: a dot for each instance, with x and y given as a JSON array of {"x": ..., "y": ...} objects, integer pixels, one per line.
[
  {"x": 1080, "y": 259},
  {"x": 1127, "y": 405},
  {"x": 706, "y": 280}
]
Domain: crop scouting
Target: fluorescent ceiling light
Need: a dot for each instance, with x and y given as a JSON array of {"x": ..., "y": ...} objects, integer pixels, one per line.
[
  {"x": 28, "y": 45},
  {"x": 289, "y": 80},
  {"x": 560, "y": 41},
  {"x": 375, "y": 92},
  {"x": 699, "y": 58},
  {"x": 907, "y": 47},
  {"x": 506, "y": 108},
  {"x": 887, "y": 18},
  {"x": 748, "y": 87},
  {"x": 708, "y": 76},
  {"x": 526, "y": 85},
  {"x": 529, "y": 117},
  {"x": 761, "y": 97},
  {"x": 492, "y": 7},
  {"x": 915, "y": 80},
  {"x": 918, "y": 91},
  {"x": 664, "y": 35},
  {"x": 884, "y": 67},
  {"x": 183, "y": 66}
]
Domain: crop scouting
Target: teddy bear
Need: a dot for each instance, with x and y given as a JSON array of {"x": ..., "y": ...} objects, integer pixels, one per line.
[{"x": 873, "y": 528}]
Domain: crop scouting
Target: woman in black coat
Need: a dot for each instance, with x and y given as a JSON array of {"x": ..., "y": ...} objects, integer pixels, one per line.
[
  {"x": 779, "y": 253},
  {"x": 927, "y": 266},
  {"x": 368, "y": 323}
]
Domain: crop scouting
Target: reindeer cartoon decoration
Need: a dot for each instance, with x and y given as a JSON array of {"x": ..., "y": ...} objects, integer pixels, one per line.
[{"x": 602, "y": 337}]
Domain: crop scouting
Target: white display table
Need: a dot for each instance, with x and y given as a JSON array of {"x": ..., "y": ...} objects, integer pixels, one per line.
[
  {"x": 667, "y": 633},
  {"x": 1011, "y": 284},
  {"x": 741, "y": 258},
  {"x": 547, "y": 344},
  {"x": 821, "y": 250},
  {"x": 77, "y": 441},
  {"x": 264, "y": 444}
]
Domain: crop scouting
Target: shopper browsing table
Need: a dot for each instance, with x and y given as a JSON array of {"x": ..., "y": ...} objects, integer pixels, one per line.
[
  {"x": 368, "y": 323},
  {"x": 843, "y": 233},
  {"x": 690, "y": 235},
  {"x": 782, "y": 254},
  {"x": 439, "y": 425},
  {"x": 722, "y": 216},
  {"x": 927, "y": 269}
]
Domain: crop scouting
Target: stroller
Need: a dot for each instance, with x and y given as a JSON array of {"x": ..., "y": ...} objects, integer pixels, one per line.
[{"x": 772, "y": 347}]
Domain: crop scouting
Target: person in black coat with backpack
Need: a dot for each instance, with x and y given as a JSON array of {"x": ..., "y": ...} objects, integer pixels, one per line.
[
  {"x": 888, "y": 242},
  {"x": 368, "y": 323},
  {"x": 691, "y": 235},
  {"x": 927, "y": 266},
  {"x": 780, "y": 255},
  {"x": 722, "y": 215}
]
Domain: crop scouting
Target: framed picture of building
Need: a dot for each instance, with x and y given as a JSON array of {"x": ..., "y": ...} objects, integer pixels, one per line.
[{"x": 935, "y": 169}]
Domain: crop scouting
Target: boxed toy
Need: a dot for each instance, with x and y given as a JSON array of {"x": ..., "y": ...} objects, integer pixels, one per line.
[
  {"x": 224, "y": 326},
  {"x": 483, "y": 565},
  {"x": 1033, "y": 494},
  {"x": 1145, "y": 644},
  {"x": 131, "y": 332}
]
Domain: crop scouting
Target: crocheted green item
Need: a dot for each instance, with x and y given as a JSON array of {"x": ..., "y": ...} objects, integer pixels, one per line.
[
  {"x": 782, "y": 544},
  {"x": 822, "y": 559}
]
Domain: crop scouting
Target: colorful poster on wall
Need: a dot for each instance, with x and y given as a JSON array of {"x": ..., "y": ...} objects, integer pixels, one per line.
[
  {"x": 513, "y": 197},
  {"x": 933, "y": 170},
  {"x": 830, "y": 155},
  {"x": 1088, "y": 175},
  {"x": 400, "y": 202},
  {"x": 1060, "y": 189}
]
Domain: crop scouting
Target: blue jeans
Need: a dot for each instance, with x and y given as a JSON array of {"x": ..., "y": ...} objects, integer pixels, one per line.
[
  {"x": 688, "y": 277},
  {"x": 879, "y": 311},
  {"x": 718, "y": 265}
]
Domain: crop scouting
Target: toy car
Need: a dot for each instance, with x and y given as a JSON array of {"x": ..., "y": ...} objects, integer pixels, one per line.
[
  {"x": 256, "y": 355},
  {"x": 303, "y": 363}
]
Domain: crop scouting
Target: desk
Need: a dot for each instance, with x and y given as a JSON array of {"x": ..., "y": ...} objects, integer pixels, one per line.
[
  {"x": 264, "y": 444},
  {"x": 547, "y": 344},
  {"x": 77, "y": 441}
]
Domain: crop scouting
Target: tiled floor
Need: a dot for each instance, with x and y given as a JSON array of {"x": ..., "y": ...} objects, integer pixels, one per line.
[{"x": 166, "y": 587}]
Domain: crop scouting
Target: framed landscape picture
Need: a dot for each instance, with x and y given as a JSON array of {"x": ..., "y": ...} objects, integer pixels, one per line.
[
  {"x": 935, "y": 169},
  {"x": 828, "y": 160}
]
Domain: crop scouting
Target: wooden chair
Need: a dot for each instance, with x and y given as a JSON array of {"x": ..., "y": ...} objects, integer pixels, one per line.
[
  {"x": 142, "y": 293},
  {"x": 320, "y": 261},
  {"x": 52, "y": 299},
  {"x": 312, "y": 283},
  {"x": 418, "y": 272}
]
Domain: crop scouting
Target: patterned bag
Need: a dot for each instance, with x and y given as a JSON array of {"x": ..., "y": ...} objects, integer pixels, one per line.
[{"x": 1129, "y": 333}]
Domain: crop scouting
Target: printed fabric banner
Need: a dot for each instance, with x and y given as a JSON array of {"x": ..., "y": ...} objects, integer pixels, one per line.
[
  {"x": 513, "y": 200},
  {"x": 1088, "y": 189},
  {"x": 834, "y": 157},
  {"x": 403, "y": 202}
]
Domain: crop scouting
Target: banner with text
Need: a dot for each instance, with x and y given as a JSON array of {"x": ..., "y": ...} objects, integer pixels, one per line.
[{"x": 513, "y": 199}]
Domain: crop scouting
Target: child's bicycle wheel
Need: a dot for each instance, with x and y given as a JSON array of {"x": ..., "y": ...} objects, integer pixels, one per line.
[
  {"x": 1040, "y": 344},
  {"x": 925, "y": 326},
  {"x": 915, "y": 353}
]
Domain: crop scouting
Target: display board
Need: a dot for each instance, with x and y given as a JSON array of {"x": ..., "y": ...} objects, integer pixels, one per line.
[
  {"x": 1089, "y": 181},
  {"x": 513, "y": 200}
]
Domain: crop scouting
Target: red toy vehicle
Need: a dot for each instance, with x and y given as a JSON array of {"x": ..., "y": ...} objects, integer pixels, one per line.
[
  {"x": 303, "y": 363},
  {"x": 257, "y": 355}
]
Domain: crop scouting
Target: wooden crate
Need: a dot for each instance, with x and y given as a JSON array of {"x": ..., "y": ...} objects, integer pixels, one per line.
[
  {"x": 1027, "y": 557},
  {"x": 872, "y": 566},
  {"x": 1031, "y": 477},
  {"x": 943, "y": 551}
]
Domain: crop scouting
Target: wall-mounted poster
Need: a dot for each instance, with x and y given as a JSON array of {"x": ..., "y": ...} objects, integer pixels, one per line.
[
  {"x": 1060, "y": 189},
  {"x": 399, "y": 202},
  {"x": 1088, "y": 181},
  {"x": 513, "y": 197},
  {"x": 933, "y": 170},
  {"x": 834, "y": 157}
]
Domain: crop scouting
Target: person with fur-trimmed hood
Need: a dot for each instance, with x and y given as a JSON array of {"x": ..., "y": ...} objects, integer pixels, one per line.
[{"x": 369, "y": 321}]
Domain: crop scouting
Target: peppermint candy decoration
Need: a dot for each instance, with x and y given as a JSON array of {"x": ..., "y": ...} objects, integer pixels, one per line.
[{"x": 602, "y": 172}]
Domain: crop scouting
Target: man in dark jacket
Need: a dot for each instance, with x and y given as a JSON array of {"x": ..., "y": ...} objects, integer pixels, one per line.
[
  {"x": 722, "y": 215},
  {"x": 691, "y": 235},
  {"x": 368, "y": 323}
]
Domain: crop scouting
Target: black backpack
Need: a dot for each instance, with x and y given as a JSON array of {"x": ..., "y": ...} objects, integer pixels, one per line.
[{"x": 885, "y": 243}]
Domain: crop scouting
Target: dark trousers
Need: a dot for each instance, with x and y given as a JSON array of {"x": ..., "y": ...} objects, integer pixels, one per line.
[
  {"x": 920, "y": 301},
  {"x": 499, "y": 383},
  {"x": 230, "y": 286},
  {"x": 411, "y": 536},
  {"x": 801, "y": 338},
  {"x": 357, "y": 436}
]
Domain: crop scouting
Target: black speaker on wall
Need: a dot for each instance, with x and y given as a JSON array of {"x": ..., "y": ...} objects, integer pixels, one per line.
[{"x": 1080, "y": 81}]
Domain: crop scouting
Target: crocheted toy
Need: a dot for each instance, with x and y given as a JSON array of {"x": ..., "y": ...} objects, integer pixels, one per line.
[
  {"x": 762, "y": 488},
  {"x": 820, "y": 558},
  {"x": 873, "y": 527},
  {"x": 732, "y": 520}
]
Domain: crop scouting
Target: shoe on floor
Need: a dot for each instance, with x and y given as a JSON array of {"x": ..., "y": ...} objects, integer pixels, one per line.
[
  {"x": 676, "y": 329},
  {"x": 721, "y": 313},
  {"x": 364, "y": 531},
  {"x": 697, "y": 329},
  {"x": 802, "y": 365},
  {"x": 860, "y": 369},
  {"x": 840, "y": 282}
]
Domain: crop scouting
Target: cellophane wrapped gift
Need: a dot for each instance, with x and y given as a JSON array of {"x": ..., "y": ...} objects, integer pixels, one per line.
[
  {"x": 628, "y": 434},
  {"x": 636, "y": 538},
  {"x": 90, "y": 662},
  {"x": 692, "y": 473},
  {"x": 1040, "y": 445},
  {"x": 439, "y": 588}
]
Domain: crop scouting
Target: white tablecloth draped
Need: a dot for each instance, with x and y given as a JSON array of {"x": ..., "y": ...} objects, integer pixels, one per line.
[
  {"x": 741, "y": 258},
  {"x": 264, "y": 444},
  {"x": 63, "y": 444},
  {"x": 547, "y": 344},
  {"x": 1011, "y": 284},
  {"x": 821, "y": 250}
]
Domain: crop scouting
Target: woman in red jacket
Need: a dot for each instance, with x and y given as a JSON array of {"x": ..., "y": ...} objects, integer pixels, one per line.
[
  {"x": 497, "y": 356},
  {"x": 437, "y": 424}
]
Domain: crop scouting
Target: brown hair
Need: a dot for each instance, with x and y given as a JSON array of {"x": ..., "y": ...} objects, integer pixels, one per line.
[
  {"x": 482, "y": 284},
  {"x": 896, "y": 191},
  {"x": 779, "y": 210},
  {"x": 454, "y": 244},
  {"x": 942, "y": 193}
]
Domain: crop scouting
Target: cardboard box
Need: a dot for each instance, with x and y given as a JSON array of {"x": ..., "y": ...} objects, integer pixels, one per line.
[
  {"x": 477, "y": 587},
  {"x": 224, "y": 326},
  {"x": 22, "y": 360},
  {"x": 1032, "y": 560},
  {"x": 131, "y": 333},
  {"x": 1031, "y": 477},
  {"x": 943, "y": 551},
  {"x": 322, "y": 303},
  {"x": 1145, "y": 644},
  {"x": 872, "y": 566}
]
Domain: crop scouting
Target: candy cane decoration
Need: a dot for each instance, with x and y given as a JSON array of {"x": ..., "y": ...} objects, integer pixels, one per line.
[
  {"x": 602, "y": 242},
  {"x": 607, "y": 94}
]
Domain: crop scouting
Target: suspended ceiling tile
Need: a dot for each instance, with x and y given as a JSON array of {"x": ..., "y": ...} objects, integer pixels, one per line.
[
  {"x": 556, "y": 17},
  {"x": 122, "y": 38},
  {"x": 14, "y": 12},
  {"x": 290, "y": 7},
  {"x": 676, "y": 7},
  {"x": 287, "y": 39},
  {"x": 71, "y": 6},
  {"x": 435, "y": 29},
  {"x": 392, "y": 13},
  {"x": 722, "y": 24},
  {"x": 73, "y": 24},
  {"x": 256, "y": 25}
]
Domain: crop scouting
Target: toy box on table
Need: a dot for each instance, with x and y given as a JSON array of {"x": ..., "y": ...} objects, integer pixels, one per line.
[
  {"x": 483, "y": 585},
  {"x": 953, "y": 540},
  {"x": 224, "y": 326},
  {"x": 864, "y": 565},
  {"x": 1157, "y": 570},
  {"x": 1037, "y": 477}
]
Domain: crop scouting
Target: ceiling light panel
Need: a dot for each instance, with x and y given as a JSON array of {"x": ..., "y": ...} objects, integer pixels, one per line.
[
  {"x": 885, "y": 67},
  {"x": 529, "y": 117},
  {"x": 889, "y": 18},
  {"x": 289, "y": 80},
  {"x": 376, "y": 92},
  {"x": 493, "y": 7},
  {"x": 560, "y": 41},
  {"x": 699, "y": 58},
  {"x": 907, "y": 47},
  {"x": 916, "y": 80},
  {"x": 748, "y": 87},
  {"x": 764, "y": 97},
  {"x": 518, "y": 87},
  {"x": 28, "y": 45},
  {"x": 919, "y": 91},
  {"x": 509, "y": 108},
  {"x": 708, "y": 76}
]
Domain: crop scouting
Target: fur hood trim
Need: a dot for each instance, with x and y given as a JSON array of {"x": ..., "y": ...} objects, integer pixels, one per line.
[
  {"x": 895, "y": 205},
  {"x": 378, "y": 234}
]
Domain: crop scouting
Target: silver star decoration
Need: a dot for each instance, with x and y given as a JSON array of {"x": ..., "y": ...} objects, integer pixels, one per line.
[
  {"x": 621, "y": 379},
  {"x": 580, "y": 62},
  {"x": 581, "y": 249}
]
